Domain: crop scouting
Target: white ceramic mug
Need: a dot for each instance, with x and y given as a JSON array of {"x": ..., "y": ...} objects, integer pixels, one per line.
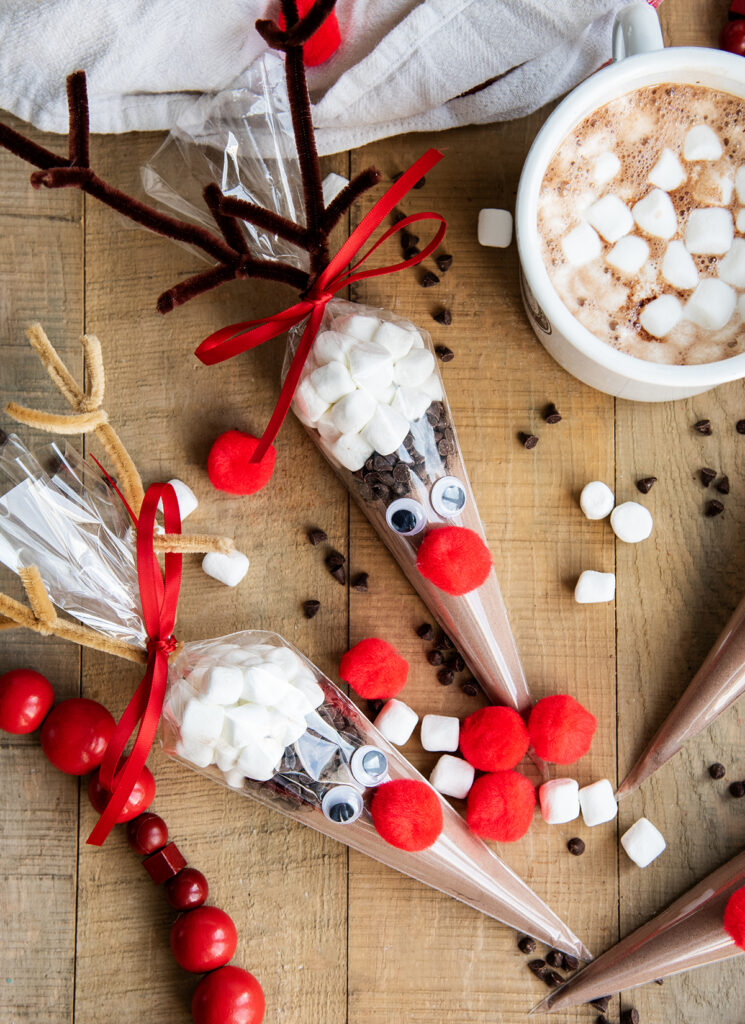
[{"x": 639, "y": 60}]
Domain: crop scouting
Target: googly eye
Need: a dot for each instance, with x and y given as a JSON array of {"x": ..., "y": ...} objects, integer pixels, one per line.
[
  {"x": 448, "y": 497},
  {"x": 369, "y": 766},
  {"x": 406, "y": 516},
  {"x": 342, "y": 804}
]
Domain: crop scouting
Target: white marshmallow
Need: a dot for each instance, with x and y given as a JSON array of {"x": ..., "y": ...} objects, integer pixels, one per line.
[
  {"x": 288, "y": 663},
  {"x": 559, "y": 801},
  {"x": 740, "y": 221},
  {"x": 352, "y": 412},
  {"x": 629, "y": 254},
  {"x": 598, "y": 803},
  {"x": 290, "y": 728},
  {"x": 709, "y": 232},
  {"x": 386, "y": 430},
  {"x": 668, "y": 172},
  {"x": 198, "y": 754},
  {"x": 308, "y": 403},
  {"x": 610, "y": 217},
  {"x": 382, "y": 393},
  {"x": 414, "y": 368},
  {"x": 371, "y": 365},
  {"x": 226, "y": 756},
  {"x": 235, "y": 778},
  {"x": 310, "y": 690},
  {"x": 246, "y": 724},
  {"x": 186, "y": 498},
  {"x": 596, "y": 500},
  {"x": 595, "y": 587},
  {"x": 631, "y": 522},
  {"x": 332, "y": 381},
  {"x": 411, "y": 403},
  {"x": 396, "y": 721},
  {"x": 655, "y": 214},
  {"x": 262, "y": 686},
  {"x": 331, "y": 186},
  {"x": 495, "y": 228},
  {"x": 235, "y": 656},
  {"x": 440, "y": 732},
  {"x": 702, "y": 143},
  {"x": 261, "y": 760},
  {"x": 227, "y": 568},
  {"x": 326, "y": 426},
  {"x": 660, "y": 315},
  {"x": 581, "y": 245},
  {"x": 351, "y": 450},
  {"x": 331, "y": 346},
  {"x": 357, "y": 326},
  {"x": 741, "y": 306},
  {"x": 712, "y": 304},
  {"x": 605, "y": 167},
  {"x": 678, "y": 266},
  {"x": 432, "y": 386},
  {"x": 643, "y": 842},
  {"x": 223, "y": 684},
  {"x": 452, "y": 776},
  {"x": 395, "y": 337},
  {"x": 294, "y": 705},
  {"x": 201, "y": 722},
  {"x": 731, "y": 267}
]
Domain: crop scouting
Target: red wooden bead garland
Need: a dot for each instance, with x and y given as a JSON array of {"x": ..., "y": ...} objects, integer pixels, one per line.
[
  {"x": 203, "y": 939},
  {"x": 164, "y": 864},
  {"x": 75, "y": 734},
  {"x": 147, "y": 834},
  {"x": 139, "y": 800},
  {"x": 25, "y": 699},
  {"x": 187, "y": 890},
  {"x": 228, "y": 996}
]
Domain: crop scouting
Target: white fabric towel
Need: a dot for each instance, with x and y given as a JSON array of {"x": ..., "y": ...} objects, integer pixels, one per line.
[{"x": 404, "y": 65}]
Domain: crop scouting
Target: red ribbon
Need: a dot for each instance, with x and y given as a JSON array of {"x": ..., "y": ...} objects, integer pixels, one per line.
[
  {"x": 159, "y": 598},
  {"x": 231, "y": 341}
]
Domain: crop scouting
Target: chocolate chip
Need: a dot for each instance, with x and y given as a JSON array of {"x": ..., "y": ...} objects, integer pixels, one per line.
[
  {"x": 551, "y": 414},
  {"x": 713, "y": 508},
  {"x": 311, "y": 608},
  {"x": 374, "y": 707},
  {"x": 740, "y": 426},
  {"x": 317, "y": 537},
  {"x": 397, "y": 176},
  {"x": 426, "y": 632},
  {"x": 707, "y": 475},
  {"x": 527, "y": 440},
  {"x": 552, "y": 978},
  {"x": 446, "y": 643},
  {"x": 630, "y": 1016},
  {"x": 470, "y": 688},
  {"x": 380, "y": 492},
  {"x": 659, "y": 981},
  {"x": 538, "y": 967},
  {"x": 380, "y": 464},
  {"x": 717, "y": 770},
  {"x": 443, "y": 316},
  {"x": 576, "y": 846},
  {"x": 555, "y": 957},
  {"x": 444, "y": 353},
  {"x": 407, "y": 239},
  {"x": 526, "y": 944},
  {"x": 444, "y": 261},
  {"x": 435, "y": 657},
  {"x": 602, "y": 1019},
  {"x": 703, "y": 427},
  {"x": 339, "y": 575},
  {"x": 334, "y": 559},
  {"x": 458, "y": 663},
  {"x": 723, "y": 485},
  {"x": 737, "y": 790},
  {"x": 429, "y": 279},
  {"x": 409, "y": 254},
  {"x": 646, "y": 484},
  {"x": 401, "y": 473},
  {"x": 601, "y": 1003},
  {"x": 571, "y": 963},
  {"x": 365, "y": 492},
  {"x": 359, "y": 583},
  {"x": 420, "y": 184},
  {"x": 397, "y": 216},
  {"x": 445, "y": 676}
]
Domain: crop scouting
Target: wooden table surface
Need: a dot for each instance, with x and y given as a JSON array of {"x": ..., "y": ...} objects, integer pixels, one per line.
[{"x": 333, "y": 936}]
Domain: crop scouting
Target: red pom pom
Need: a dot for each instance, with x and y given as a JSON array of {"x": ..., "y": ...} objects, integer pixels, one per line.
[
  {"x": 25, "y": 699},
  {"x": 374, "y": 669},
  {"x": 454, "y": 558},
  {"x": 229, "y": 465},
  {"x": 228, "y": 996},
  {"x": 493, "y": 739},
  {"x": 324, "y": 42},
  {"x": 142, "y": 795},
  {"x": 203, "y": 939},
  {"x": 500, "y": 806},
  {"x": 734, "y": 917},
  {"x": 75, "y": 735},
  {"x": 407, "y": 814},
  {"x": 561, "y": 730}
]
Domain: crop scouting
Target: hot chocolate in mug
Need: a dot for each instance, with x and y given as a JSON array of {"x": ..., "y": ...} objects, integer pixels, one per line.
[{"x": 639, "y": 61}]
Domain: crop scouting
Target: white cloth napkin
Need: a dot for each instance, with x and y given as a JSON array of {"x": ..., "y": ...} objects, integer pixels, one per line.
[{"x": 404, "y": 65}]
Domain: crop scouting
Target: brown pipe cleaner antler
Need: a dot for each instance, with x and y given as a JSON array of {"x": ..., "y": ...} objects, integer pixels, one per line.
[{"x": 230, "y": 248}]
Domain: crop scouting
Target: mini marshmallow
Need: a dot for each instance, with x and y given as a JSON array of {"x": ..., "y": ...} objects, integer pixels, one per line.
[
  {"x": 731, "y": 268},
  {"x": 595, "y": 587},
  {"x": 351, "y": 413},
  {"x": 228, "y": 568},
  {"x": 740, "y": 221},
  {"x": 386, "y": 430},
  {"x": 643, "y": 842},
  {"x": 357, "y": 326},
  {"x": 186, "y": 498},
  {"x": 261, "y": 760},
  {"x": 610, "y": 217},
  {"x": 432, "y": 387},
  {"x": 629, "y": 254},
  {"x": 414, "y": 368},
  {"x": 740, "y": 183},
  {"x": 326, "y": 425},
  {"x": 371, "y": 365},
  {"x": 332, "y": 381},
  {"x": 702, "y": 143},
  {"x": 308, "y": 403},
  {"x": 290, "y": 729},
  {"x": 201, "y": 722},
  {"x": 631, "y": 522},
  {"x": 386, "y": 395},
  {"x": 712, "y": 304},
  {"x": 559, "y": 801},
  {"x": 310, "y": 689},
  {"x": 235, "y": 778},
  {"x": 668, "y": 172},
  {"x": 198, "y": 754},
  {"x": 678, "y": 267},
  {"x": 285, "y": 660},
  {"x": 246, "y": 724},
  {"x": 396, "y": 721},
  {"x": 225, "y": 757},
  {"x": 709, "y": 232},
  {"x": 262, "y": 686},
  {"x": 598, "y": 803},
  {"x": 440, "y": 732},
  {"x": 351, "y": 450},
  {"x": 395, "y": 337},
  {"x": 495, "y": 228},
  {"x": 331, "y": 186},
  {"x": 605, "y": 167},
  {"x": 294, "y": 705},
  {"x": 660, "y": 315},
  {"x": 223, "y": 684},
  {"x": 581, "y": 245},
  {"x": 331, "y": 346},
  {"x": 452, "y": 776},
  {"x": 655, "y": 214},
  {"x": 411, "y": 403},
  {"x": 596, "y": 500},
  {"x": 741, "y": 306}
]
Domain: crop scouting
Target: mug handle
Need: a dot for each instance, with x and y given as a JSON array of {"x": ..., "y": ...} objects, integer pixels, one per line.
[{"x": 636, "y": 30}]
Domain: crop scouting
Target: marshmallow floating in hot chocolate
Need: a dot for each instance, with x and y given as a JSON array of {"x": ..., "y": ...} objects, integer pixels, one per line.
[
  {"x": 606, "y": 166},
  {"x": 712, "y": 304},
  {"x": 660, "y": 315},
  {"x": 668, "y": 172},
  {"x": 731, "y": 268},
  {"x": 581, "y": 245},
  {"x": 610, "y": 217},
  {"x": 702, "y": 143},
  {"x": 678, "y": 267},
  {"x": 629, "y": 254},
  {"x": 655, "y": 214},
  {"x": 709, "y": 232}
]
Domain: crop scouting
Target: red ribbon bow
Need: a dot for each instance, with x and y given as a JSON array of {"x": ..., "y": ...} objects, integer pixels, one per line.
[
  {"x": 231, "y": 341},
  {"x": 159, "y": 598}
]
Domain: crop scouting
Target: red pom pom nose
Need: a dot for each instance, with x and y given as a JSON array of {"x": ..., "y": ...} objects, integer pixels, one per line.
[
  {"x": 374, "y": 669},
  {"x": 454, "y": 558},
  {"x": 500, "y": 806},
  {"x": 324, "y": 42},
  {"x": 561, "y": 730},
  {"x": 494, "y": 739},
  {"x": 407, "y": 813},
  {"x": 229, "y": 465},
  {"x": 734, "y": 917}
]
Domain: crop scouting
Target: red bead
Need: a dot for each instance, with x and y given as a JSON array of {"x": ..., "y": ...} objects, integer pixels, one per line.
[
  {"x": 25, "y": 698},
  {"x": 142, "y": 795},
  {"x": 147, "y": 834},
  {"x": 164, "y": 864},
  {"x": 75, "y": 735},
  {"x": 228, "y": 996},
  {"x": 187, "y": 890},
  {"x": 733, "y": 37},
  {"x": 203, "y": 939}
]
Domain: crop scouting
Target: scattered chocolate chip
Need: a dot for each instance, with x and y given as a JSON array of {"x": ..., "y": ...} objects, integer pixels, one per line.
[
  {"x": 703, "y": 427},
  {"x": 552, "y": 978},
  {"x": 445, "y": 676},
  {"x": 723, "y": 485},
  {"x": 339, "y": 574},
  {"x": 571, "y": 963},
  {"x": 538, "y": 967},
  {"x": 420, "y": 184},
  {"x": 630, "y": 1016},
  {"x": 435, "y": 657},
  {"x": 555, "y": 957},
  {"x": 443, "y": 316},
  {"x": 526, "y": 944},
  {"x": 551, "y": 414},
  {"x": 646, "y": 484},
  {"x": 444, "y": 261},
  {"x": 713, "y": 508},
  {"x": 409, "y": 253},
  {"x": 374, "y": 707},
  {"x": 407, "y": 239},
  {"x": 429, "y": 279},
  {"x": 397, "y": 215},
  {"x": 359, "y": 583},
  {"x": 602, "y": 1019},
  {"x": 737, "y": 789},
  {"x": 470, "y": 688},
  {"x": 740, "y": 426},
  {"x": 707, "y": 475},
  {"x": 311, "y": 608},
  {"x": 459, "y": 663},
  {"x": 576, "y": 846},
  {"x": 425, "y": 632},
  {"x": 334, "y": 559},
  {"x": 527, "y": 440},
  {"x": 717, "y": 770},
  {"x": 317, "y": 537},
  {"x": 444, "y": 353},
  {"x": 659, "y": 981},
  {"x": 601, "y": 1003}
]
